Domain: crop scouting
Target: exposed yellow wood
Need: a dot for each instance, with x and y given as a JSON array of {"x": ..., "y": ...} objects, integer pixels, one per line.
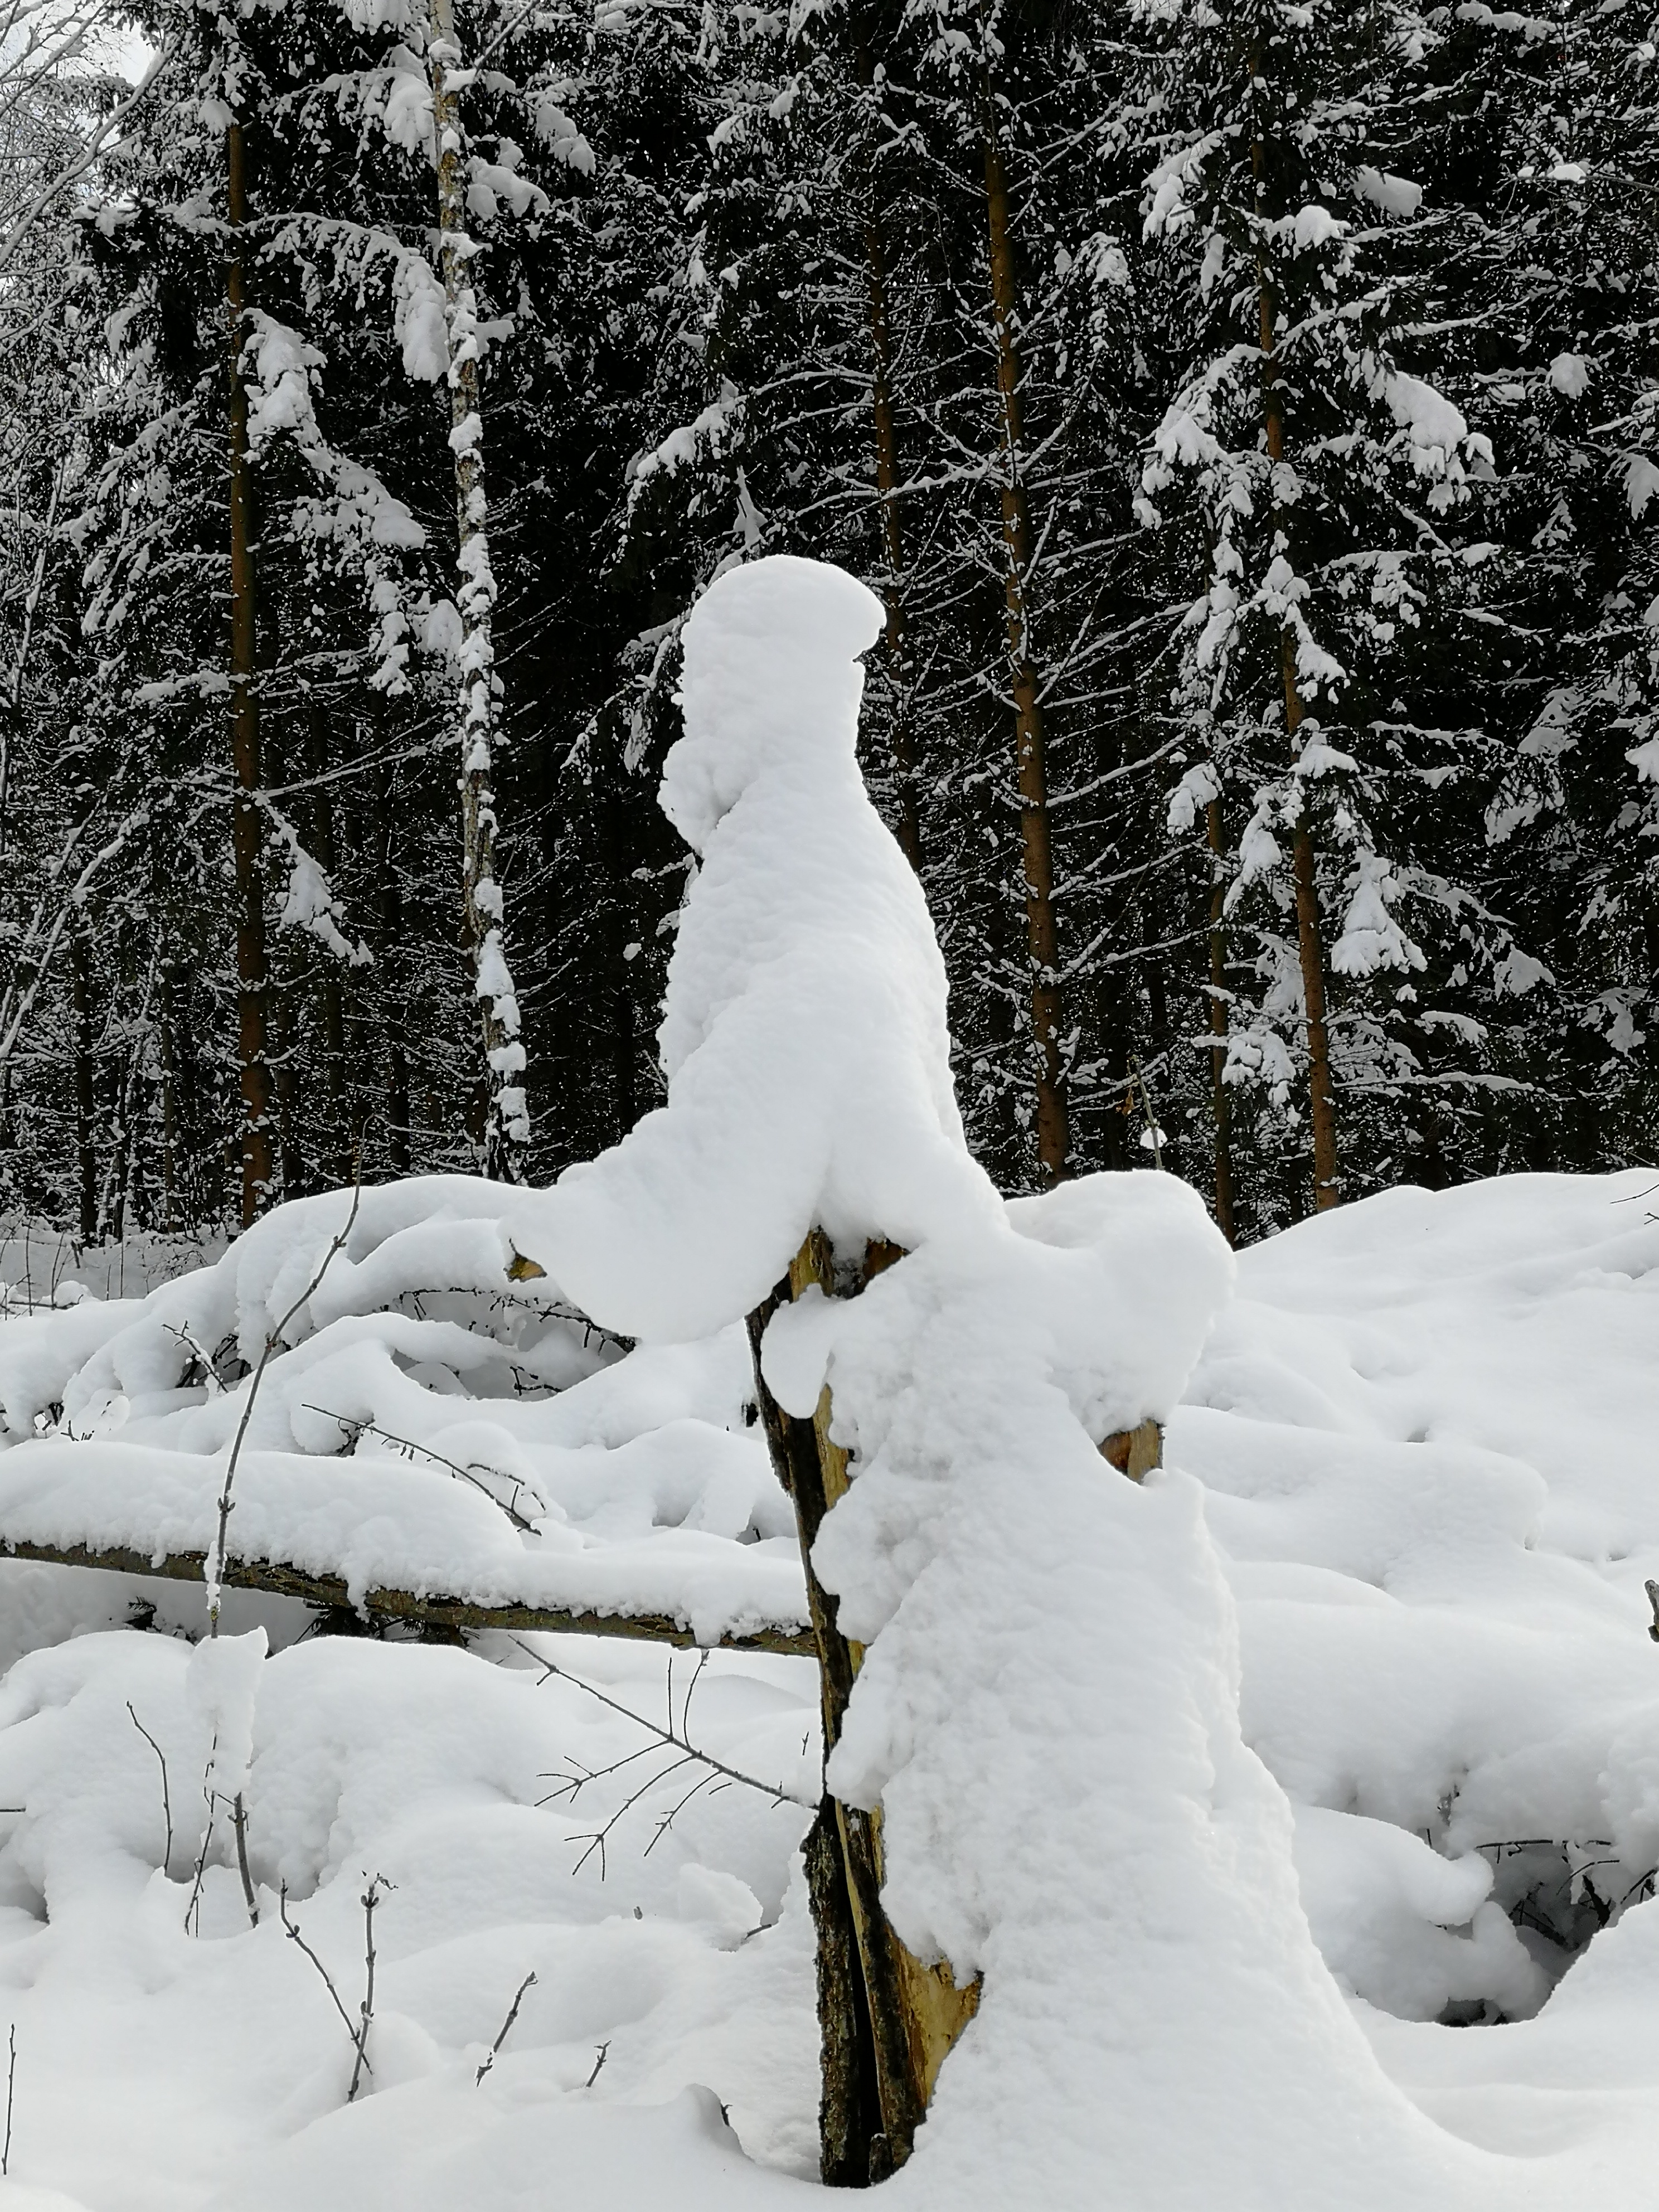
[
  {"x": 934, "y": 2011},
  {"x": 1135, "y": 1452}
]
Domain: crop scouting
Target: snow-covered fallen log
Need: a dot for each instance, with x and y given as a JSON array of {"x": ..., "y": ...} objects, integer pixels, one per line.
[
  {"x": 442, "y": 1438},
  {"x": 428, "y": 1611}
]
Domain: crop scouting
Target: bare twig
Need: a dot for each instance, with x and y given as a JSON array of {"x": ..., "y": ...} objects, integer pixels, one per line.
[
  {"x": 11, "y": 2084},
  {"x": 528, "y": 1982},
  {"x": 1653, "y": 1600},
  {"x": 193, "y": 1908},
  {"x": 575, "y": 1778},
  {"x": 598, "y": 2063},
  {"x": 210, "y": 1372},
  {"x": 355, "y": 1427},
  {"x": 295, "y": 1936},
  {"x": 215, "y": 1564},
  {"x": 166, "y": 1801},
  {"x": 371, "y": 1898},
  {"x": 239, "y": 1822}
]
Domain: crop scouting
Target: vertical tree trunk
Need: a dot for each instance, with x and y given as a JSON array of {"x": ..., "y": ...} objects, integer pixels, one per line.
[
  {"x": 507, "y": 1126},
  {"x": 85, "y": 1119},
  {"x": 1310, "y": 946},
  {"x": 330, "y": 988},
  {"x": 169, "y": 1054},
  {"x": 253, "y": 1061},
  {"x": 887, "y": 495},
  {"x": 888, "y": 481},
  {"x": 394, "y": 1001},
  {"x": 1221, "y": 1101},
  {"x": 1031, "y": 763}
]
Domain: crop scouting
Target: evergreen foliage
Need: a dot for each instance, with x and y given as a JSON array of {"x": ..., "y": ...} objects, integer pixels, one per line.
[{"x": 1248, "y": 410}]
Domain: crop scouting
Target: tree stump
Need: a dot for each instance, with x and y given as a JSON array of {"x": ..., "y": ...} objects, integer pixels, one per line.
[{"x": 888, "y": 2018}]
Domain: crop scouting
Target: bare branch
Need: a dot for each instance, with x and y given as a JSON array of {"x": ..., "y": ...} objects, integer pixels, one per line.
[
  {"x": 295, "y": 1936},
  {"x": 528, "y": 1982},
  {"x": 214, "y": 1578},
  {"x": 371, "y": 1898},
  {"x": 166, "y": 1801},
  {"x": 355, "y": 1427}
]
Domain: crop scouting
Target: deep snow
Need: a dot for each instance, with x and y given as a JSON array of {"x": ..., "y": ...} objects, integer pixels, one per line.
[{"x": 1418, "y": 1488}]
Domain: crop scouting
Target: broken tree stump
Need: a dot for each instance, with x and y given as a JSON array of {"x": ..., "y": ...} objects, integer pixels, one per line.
[{"x": 888, "y": 2018}]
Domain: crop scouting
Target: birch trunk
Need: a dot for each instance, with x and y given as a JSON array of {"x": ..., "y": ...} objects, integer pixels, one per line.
[
  {"x": 1030, "y": 761},
  {"x": 506, "y": 1129},
  {"x": 253, "y": 1051}
]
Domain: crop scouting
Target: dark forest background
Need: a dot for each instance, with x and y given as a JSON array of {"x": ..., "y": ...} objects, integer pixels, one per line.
[{"x": 1247, "y": 411}]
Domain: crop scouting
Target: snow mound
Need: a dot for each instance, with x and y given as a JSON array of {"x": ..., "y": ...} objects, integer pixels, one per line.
[{"x": 804, "y": 1033}]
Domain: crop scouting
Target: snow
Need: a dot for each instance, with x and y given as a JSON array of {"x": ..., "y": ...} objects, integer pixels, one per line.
[
  {"x": 1434, "y": 426},
  {"x": 1641, "y": 481},
  {"x": 1394, "y": 195},
  {"x": 804, "y": 1035},
  {"x": 420, "y": 319},
  {"x": 1239, "y": 1785}
]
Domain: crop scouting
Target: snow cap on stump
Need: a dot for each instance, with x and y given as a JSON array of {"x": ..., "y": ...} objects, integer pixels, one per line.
[{"x": 771, "y": 669}]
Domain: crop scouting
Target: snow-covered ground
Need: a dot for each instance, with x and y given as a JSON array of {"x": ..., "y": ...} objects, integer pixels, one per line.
[
  {"x": 1425, "y": 1430},
  {"x": 40, "y": 1266}
]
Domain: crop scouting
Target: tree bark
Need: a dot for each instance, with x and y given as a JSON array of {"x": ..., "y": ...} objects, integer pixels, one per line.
[
  {"x": 394, "y": 997},
  {"x": 331, "y": 989},
  {"x": 888, "y": 479},
  {"x": 85, "y": 1121},
  {"x": 1221, "y": 1101},
  {"x": 507, "y": 1130},
  {"x": 910, "y": 2013},
  {"x": 888, "y": 482},
  {"x": 1030, "y": 761},
  {"x": 1310, "y": 934},
  {"x": 253, "y": 1061}
]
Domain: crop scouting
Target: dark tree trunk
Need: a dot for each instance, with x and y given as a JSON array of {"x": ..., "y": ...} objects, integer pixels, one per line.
[
  {"x": 1031, "y": 759},
  {"x": 1221, "y": 1101},
  {"x": 252, "y": 1060},
  {"x": 1310, "y": 935},
  {"x": 85, "y": 1110}
]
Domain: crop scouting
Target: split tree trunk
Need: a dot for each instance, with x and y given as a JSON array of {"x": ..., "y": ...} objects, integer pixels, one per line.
[
  {"x": 506, "y": 1131},
  {"x": 1031, "y": 761},
  {"x": 888, "y": 2020},
  {"x": 253, "y": 1053}
]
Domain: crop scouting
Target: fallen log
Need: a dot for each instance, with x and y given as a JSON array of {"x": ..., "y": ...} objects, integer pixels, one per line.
[{"x": 450, "y": 1614}]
